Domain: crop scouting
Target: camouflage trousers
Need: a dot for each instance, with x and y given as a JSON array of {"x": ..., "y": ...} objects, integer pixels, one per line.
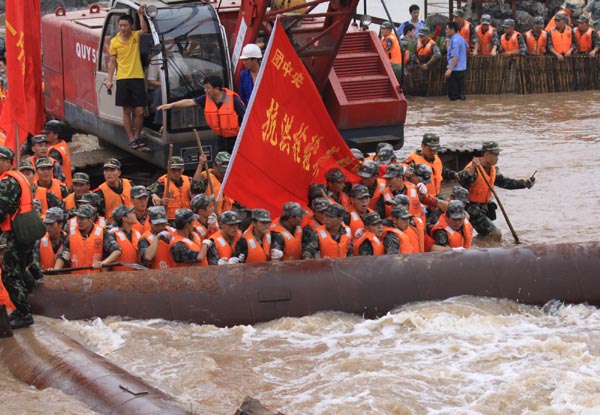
[
  {"x": 479, "y": 216},
  {"x": 14, "y": 272}
]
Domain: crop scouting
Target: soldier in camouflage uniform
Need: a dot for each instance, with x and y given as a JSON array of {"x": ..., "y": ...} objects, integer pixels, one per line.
[
  {"x": 373, "y": 234},
  {"x": 481, "y": 208},
  {"x": 180, "y": 251},
  {"x": 28, "y": 171},
  {"x": 334, "y": 228},
  {"x": 318, "y": 205},
  {"x": 592, "y": 10},
  {"x": 55, "y": 236},
  {"x": 17, "y": 257},
  {"x": 398, "y": 242}
]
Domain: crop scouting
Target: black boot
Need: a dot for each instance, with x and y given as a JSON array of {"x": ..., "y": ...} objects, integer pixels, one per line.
[{"x": 21, "y": 321}]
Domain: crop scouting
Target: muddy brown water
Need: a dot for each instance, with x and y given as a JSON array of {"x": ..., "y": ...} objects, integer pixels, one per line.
[{"x": 461, "y": 356}]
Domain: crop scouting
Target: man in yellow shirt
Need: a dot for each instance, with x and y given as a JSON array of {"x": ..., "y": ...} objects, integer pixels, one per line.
[{"x": 131, "y": 90}]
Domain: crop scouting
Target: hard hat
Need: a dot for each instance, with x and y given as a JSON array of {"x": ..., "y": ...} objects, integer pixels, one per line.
[{"x": 251, "y": 51}]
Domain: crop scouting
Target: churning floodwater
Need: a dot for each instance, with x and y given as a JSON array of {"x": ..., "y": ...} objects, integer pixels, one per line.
[{"x": 462, "y": 356}]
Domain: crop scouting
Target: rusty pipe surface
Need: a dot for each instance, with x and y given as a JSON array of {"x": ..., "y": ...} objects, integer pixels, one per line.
[
  {"x": 370, "y": 286},
  {"x": 42, "y": 357}
]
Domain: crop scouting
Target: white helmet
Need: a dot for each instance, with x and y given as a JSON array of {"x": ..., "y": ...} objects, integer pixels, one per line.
[{"x": 251, "y": 51}]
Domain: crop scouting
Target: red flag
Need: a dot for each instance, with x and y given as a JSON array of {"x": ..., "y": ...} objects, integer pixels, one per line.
[
  {"x": 287, "y": 139},
  {"x": 24, "y": 105}
]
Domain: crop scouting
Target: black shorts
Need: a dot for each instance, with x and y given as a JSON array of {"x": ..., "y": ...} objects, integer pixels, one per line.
[{"x": 130, "y": 93}]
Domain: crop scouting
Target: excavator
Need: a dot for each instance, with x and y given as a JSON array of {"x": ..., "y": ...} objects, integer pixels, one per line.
[{"x": 189, "y": 40}]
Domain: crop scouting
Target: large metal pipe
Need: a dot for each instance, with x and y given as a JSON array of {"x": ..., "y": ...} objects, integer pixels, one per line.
[
  {"x": 370, "y": 286},
  {"x": 42, "y": 357}
]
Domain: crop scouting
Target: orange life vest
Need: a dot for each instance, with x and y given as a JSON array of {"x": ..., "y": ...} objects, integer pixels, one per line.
[
  {"x": 584, "y": 40},
  {"x": 33, "y": 159},
  {"x": 226, "y": 203},
  {"x": 41, "y": 195},
  {"x": 329, "y": 247},
  {"x": 144, "y": 227},
  {"x": 163, "y": 258},
  {"x": 179, "y": 197},
  {"x": 344, "y": 200},
  {"x": 552, "y": 23},
  {"x": 510, "y": 44},
  {"x": 224, "y": 120},
  {"x": 465, "y": 32},
  {"x": 376, "y": 243},
  {"x": 486, "y": 43},
  {"x": 85, "y": 250},
  {"x": 394, "y": 53},
  {"x": 479, "y": 192},
  {"x": 536, "y": 47},
  {"x": 129, "y": 249},
  {"x": 65, "y": 154},
  {"x": 222, "y": 246},
  {"x": 25, "y": 202},
  {"x": 416, "y": 234},
  {"x": 356, "y": 221},
  {"x": 562, "y": 42},
  {"x": 257, "y": 252},
  {"x": 456, "y": 239},
  {"x": 415, "y": 207},
  {"x": 436, "y": 166},
  {"x": 69, "y": 201},
  {"x": 377, "y": 193},
  {"x": 193, "y": 244},
  {"x": 112, "y": 199},
  {"x": 425, "y": 51},
  {"x": 293, "y": 242},
  {"x": 202, "y": 231},
  {"x": 54, "y": 188},
  {"x": 406, "y": 246},
  {"x": 47, "y": 254}
]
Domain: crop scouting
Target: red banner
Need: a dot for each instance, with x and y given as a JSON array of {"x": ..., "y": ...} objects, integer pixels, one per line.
[
  {"x": 24, "y": 106},
  {"x": 287, "y": 139}
]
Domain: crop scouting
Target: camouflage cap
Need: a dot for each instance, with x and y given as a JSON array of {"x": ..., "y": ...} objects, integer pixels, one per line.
[
  {"x": 358, "y": 155},
  {"x": 43, "y": 162},
  {"x": 456, "y": 210},
  {"x": 90, "y": 197},
  {"x": 335, "y": 211},
  {"x": 81, "y": 177},
  {"x": 561, "y": 16},
  {"x": 387, "y": 25},
  {"x": 292, "y": 209},
  {"x": 386, "y": 154},
  {"x": 112, "y": 163},
  {"x": 372, "y": 218},
  {"x": 54, "y": 214},
  {"x": 26, "y": 165},
  {"x": 394, "y": 170},
  {"x": 460, "y": 193},
  {"x": 85, "y": 211},
  {"x": 39, "y": 138},
  {"x": 424, "y": 172},
  {"x": 424, "y": 31},
  {"x": 383, "y": 144},
  {"x": 138, "y": 191},
  {"x": 184, "y": 216},
  {"x": 335, "y": 175},
  {"x": 401, "y": 212},
  {"x": 431, "y": 140},
  {"x": 399, "y": 199},
  {"x": 120, "y": 212},
  {"x": 583, "y": 19},
  {"x": 459, "y": 13},
  {"x": 486, "y": 19},
  {"x": 157, "y": 215},
  {"x": 538, "y": 21},
  {"x": 320, "y": 204},
  {"x": 261, "y": 215},
  {"x": 201, "y": 201},
  {"x": 52, "y": 126},
  {"x": 359, "y": 191},
  {"x": 508, "y": 23},
  {"x": 177, "y": 162},
  {"x": 316, "y": 190},
  {"x": 491, "y": 146},
  {"x": 229, "y": 217},
  {"x": 37, "y": 205},
  {"x": 570, "y": 5},
  {"x": 222, "y": 159},
  {"x": 369, "y": 169},
  {"x": 7, "y": 153}
]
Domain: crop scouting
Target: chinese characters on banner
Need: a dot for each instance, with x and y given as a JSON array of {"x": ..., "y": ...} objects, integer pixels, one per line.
[
  {"x": 287, "y": 140},
  {"x": 24, "y": 106}
]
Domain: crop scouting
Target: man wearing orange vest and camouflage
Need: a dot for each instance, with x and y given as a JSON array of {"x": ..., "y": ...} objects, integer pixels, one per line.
[
  {"x": 453, "y": 230},
  {"x": 179, "y": 193},
  {"x": 427, "y": 50},
  {"x": 58, "y": 148},
  {"x": 481, "y": 209},
  {"x": 154, "y": 243},
  {"x": 186, "y": 246},
  {"x": 216, "y": 175},
  {"x": 369, "y": 177},
  {"x": 587, "y": 39},
  {"x": 289, "y": 231},
  {"x": 257, "y": 243},
  {"x": 487, "y": 37},
  {"x": 561, "y": 39},
  {"x": 223, "y": 110},
  {"x": 536, "y": 38},
  {"x": 51, "y": 243},
  {"x": 430, "y": 145},
  {"x": 465, "y": 28},
  {"x": 207, "y": 222},
  {"x": 391, "y": 46},
  {"x": 396, "y": 238},
  {"x": 331, "y": 240},
  {"x": 81, "y": 186},
  {"x": 115, "y": 191},
  {"x": 225, "y": 240},
  {"x": 370, "y": 243},
  {"x": 565, "y": 12},
  {"x": 40, "y": 148},
  {"x": 128, "y": 238},
  {"x": 511, "y": 42}
]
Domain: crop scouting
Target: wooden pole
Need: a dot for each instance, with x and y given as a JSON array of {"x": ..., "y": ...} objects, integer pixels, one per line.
[
  {"x": 205, "y": 167},
  {"x": 512, "y": 230},
  {"x": 168, "y": 181}
]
